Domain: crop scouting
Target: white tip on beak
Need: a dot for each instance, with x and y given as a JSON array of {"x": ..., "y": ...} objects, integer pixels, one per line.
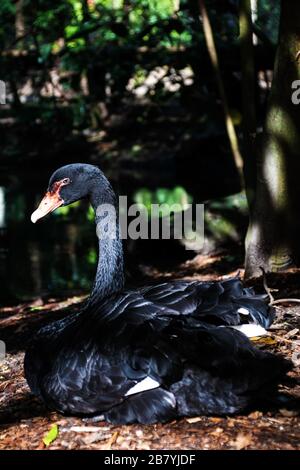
[
  {"x": 34, "y": 217},
  {"x": 49, "y": 203}
]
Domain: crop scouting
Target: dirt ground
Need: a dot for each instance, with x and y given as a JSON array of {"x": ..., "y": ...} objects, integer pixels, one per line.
[{"x": 24, "y": 421}]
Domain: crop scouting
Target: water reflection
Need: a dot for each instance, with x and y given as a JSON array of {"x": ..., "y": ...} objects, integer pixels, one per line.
[{"x": 56, "y": 256}]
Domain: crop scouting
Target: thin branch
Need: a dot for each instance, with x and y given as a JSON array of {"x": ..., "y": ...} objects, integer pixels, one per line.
[
  {"x": 281, "y": 339},
  {"x": 266, "y": 287},
  {"x": 248, "y": 92},
  {"x": 285, "y": 301},
  {"x": 211, "y": 47},
  {"x": 272, "y": 300}
]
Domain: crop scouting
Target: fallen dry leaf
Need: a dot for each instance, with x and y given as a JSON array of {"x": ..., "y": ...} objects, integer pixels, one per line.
[
  {"x": 292, "y": 333},
  {"x": 255, "y": 415},
  {"x": 112, "y": 440},
  {"x": 230, "y": 423},
  {"x": 288, "y": 413},
  {"x": 95, "y": 437},
  {"x": 193, "y": 420},
  {"x": 86, "y": 429},
  {"x": 216, "y": 420},
  {"x": 264, "y": 340},
  {"x": 218, "y": 431},
  {"x": 242, "y": 441}
]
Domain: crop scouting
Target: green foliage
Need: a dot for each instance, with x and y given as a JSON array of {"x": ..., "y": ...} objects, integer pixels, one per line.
[
  {"x": 268, "y": 18},
  {"x": 90, "y": 215},
  {"x": 225, "y": 217},
  {"x": 7, "y": 12},
  {"x": 66, "y": 210},
  {"x": 17, "y": 208},
  {"x": 79, "y": 53},
  {"x": 86, "y": 41},
  {"x": 235, "y": 202},
  {"x": 169, "y": 200},
  {"x": 92, "y": 256}
]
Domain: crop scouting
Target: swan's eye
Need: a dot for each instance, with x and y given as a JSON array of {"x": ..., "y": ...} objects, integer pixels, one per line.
[{"x": 66, "y": 181}]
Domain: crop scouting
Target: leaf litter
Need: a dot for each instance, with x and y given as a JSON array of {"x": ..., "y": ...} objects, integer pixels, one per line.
[{"x": 25, "y": 423}]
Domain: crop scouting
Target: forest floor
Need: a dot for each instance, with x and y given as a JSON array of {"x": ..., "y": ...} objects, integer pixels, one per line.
[{"x": 24, "y": 421}]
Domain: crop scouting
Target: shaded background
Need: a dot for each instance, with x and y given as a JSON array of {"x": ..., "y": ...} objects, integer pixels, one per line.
[{"x": 126, "y": 85}]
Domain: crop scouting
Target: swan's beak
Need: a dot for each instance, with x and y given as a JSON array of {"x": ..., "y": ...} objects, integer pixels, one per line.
[{"x": 49, "y": 203}]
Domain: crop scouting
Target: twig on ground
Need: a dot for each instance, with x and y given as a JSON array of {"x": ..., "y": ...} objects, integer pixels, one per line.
[
  {"x": 282, "y": 301},
  {"x": 268, "y": 291},
  {"x": 112, "y": 440},
  {"x": 280, "y": 338},
  {"x": 266, "y": 287}
]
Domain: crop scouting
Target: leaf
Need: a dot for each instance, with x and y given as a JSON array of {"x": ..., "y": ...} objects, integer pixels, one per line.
[
  {"x": 216, "y": 420},
  {"x": 112, "y": 440},
  {"x": 255, "y": 415},
  {"x": 45, "y": 51},
  {"x": 242, "y": 441},
  {"x": 161, "y": 195},
  {"x": 193, "y": 420},
  {"x": 51, "y": 435},
  {"x": 263, "y": 340},
  {"x": 217, "y": 431},
  {"x": 292, "y": 333},
  {"x": 35, "y": 309},
  {"x": 95, "y": 437},
  {"x": 288, "y": 413},
  {"x": 88, "y": 429}
]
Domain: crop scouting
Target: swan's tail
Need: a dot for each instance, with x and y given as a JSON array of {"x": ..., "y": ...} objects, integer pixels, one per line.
[
  {"x": 223, "y": 374},
  {"x": 200, "y": 392},
  {"x": 226, "y": 374},
  {"x": 230, "y": 303}
]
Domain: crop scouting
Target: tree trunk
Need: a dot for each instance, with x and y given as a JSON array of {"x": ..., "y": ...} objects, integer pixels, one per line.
[
  {"x": 19, "y": 20},
  {"x": 274, "y": 227}
]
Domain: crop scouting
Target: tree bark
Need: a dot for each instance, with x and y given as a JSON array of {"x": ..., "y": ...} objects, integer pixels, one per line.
[
  {"x": 273, "y": 235},
  {"x": 19, "y": 20}
]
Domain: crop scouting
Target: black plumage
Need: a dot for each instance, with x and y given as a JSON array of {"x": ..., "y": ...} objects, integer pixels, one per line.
[{"x": 173, "y": 339}]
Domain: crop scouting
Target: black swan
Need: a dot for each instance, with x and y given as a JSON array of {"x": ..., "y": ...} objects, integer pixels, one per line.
[{"x": 152, "y": 354}]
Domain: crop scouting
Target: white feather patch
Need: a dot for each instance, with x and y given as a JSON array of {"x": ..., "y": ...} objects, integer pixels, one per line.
[
  {"x": 243, "y": 311},
  {"x": 251, "y": 330},
  {"x": 145, "y": 384}
]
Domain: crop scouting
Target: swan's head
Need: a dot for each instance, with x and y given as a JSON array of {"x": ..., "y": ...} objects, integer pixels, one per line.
[{"x": 66, "y": 185}]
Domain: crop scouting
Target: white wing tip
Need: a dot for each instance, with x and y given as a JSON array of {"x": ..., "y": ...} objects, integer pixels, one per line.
[
  {"x": 251, "y": 330},
  {"x": 145, "y": 384},
  {"x": 243, "y": 311}
]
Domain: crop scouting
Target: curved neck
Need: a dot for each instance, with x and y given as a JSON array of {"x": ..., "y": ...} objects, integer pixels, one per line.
[{"x": 110, "y": 269}]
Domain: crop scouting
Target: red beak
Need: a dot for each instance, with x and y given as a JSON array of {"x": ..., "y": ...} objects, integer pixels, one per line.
[{"x": 49, "y": 203}]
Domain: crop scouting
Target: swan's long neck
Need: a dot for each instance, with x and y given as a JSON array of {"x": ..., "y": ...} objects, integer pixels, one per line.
[{"x": 110, "y": 269}]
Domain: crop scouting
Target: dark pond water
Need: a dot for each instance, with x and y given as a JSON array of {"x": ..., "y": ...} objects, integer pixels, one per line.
[{"x": 58, "y": 255}]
